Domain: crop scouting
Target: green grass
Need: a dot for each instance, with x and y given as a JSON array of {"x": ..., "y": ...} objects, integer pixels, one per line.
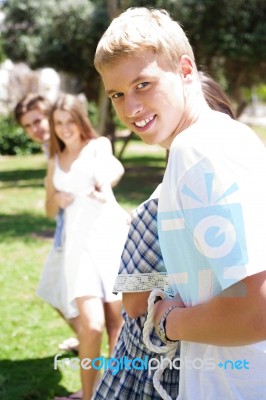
[
  {"x": 31, "y": 330},
  {"x": 261, "y": 132}
]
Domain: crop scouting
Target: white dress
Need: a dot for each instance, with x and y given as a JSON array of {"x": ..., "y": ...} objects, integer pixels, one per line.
[{"x": 94, "y": 234}]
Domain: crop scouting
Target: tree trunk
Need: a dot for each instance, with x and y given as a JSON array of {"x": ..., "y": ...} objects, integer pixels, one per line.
[{"x": 106, "y": 126}]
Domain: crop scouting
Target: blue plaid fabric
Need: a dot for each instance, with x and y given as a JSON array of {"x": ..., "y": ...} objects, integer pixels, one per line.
[
  {"x": 142, "y": 267},
  {"x": 141, "y": 254}
]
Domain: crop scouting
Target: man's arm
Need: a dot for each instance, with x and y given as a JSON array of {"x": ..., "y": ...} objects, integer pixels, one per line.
[{"x": 236, "y": 318}]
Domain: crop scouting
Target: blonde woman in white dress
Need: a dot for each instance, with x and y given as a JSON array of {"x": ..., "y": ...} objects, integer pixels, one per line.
[{"x": 81, "y": 172}]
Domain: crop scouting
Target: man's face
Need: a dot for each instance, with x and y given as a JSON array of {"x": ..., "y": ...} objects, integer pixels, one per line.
[
  {"x": 36, "y": 125},
  {"x": 147, "y": 95}
]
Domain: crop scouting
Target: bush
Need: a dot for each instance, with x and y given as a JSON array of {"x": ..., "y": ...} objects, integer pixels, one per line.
[
  {"x": 261, "y": 92},
  {"x": 13, "y": 140}
]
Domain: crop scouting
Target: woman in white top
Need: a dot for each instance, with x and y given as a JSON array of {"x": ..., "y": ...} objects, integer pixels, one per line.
[{"x": 80, "y": 175}]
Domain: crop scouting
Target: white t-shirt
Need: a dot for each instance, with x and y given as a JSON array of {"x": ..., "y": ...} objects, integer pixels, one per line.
[{"x": 212, "y": 232}]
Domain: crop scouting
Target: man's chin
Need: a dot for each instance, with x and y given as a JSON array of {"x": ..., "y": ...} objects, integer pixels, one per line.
[{"x": 44, "y": 139}]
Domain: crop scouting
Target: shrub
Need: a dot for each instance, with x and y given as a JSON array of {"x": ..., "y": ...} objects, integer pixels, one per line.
[
  {"x": 13, "y": 140},
  {"x": 261, "y": 92}
]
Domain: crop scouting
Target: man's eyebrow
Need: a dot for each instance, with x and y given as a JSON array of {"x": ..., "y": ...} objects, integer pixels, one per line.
[
  {"x": 139, "y": 78},
  {"x": 111, "y": 91}
]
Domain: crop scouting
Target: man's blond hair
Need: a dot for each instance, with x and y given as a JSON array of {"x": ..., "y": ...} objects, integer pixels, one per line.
[{"x": 140, "y": 29}]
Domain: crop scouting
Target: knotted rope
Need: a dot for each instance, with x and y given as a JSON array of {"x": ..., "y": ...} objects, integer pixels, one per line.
[{"x": 169, "y": 349}]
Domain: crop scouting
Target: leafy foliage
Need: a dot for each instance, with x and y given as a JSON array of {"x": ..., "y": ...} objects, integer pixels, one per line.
[
  {"x": 228, "y": 37},
  {"x": 229, "y": 40},
  {"x": 261, "y": 92},
  {"x": 13, "y": 140},
  {"x": 60, "y": 33}
]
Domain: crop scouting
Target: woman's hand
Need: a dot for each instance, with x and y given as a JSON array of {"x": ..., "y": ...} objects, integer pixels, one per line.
[
  {"x": 161, "y": 306},
  {"x": 64, "y": 199},
  {"x": 100, "y": 193}
]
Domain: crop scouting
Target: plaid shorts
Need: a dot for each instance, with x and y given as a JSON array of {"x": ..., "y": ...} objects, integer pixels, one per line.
[{"x": 135, "y": 384}]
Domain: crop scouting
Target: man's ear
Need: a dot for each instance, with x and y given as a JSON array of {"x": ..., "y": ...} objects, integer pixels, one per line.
[{"x": 186, "y": 65}]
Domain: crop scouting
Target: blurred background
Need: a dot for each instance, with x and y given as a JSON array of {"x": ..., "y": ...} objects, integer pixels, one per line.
[{"x": 48, "y": 46}]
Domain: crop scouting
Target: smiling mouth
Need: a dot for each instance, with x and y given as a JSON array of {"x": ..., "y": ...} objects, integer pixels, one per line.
[
  {"x": 40, "y": 135},
  {"x": 67, "y": 135},
  {"x": 144, "y": 122}
]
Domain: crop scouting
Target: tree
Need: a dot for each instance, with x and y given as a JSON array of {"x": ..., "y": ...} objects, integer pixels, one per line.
[
  {"x": 228, "y": 37},
  {"x": 58, "y": 33},
  {"x": 229, "y": 40}
]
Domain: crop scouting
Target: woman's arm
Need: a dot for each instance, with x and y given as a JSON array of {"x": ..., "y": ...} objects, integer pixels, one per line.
[
  {"x": 54, "y": 198},
  {"x": 109, "y": 169},
  {"x": 135, "y": 304},
  {"x": 51, "y": 205}
]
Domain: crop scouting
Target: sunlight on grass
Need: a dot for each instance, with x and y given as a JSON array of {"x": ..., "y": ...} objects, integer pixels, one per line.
[
  {"x": 261, "y": 131},
  {"x": 31, "y": 330}
]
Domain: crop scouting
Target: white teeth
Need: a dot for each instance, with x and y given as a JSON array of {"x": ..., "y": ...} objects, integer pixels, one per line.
[{"x": 144, "y": 122}]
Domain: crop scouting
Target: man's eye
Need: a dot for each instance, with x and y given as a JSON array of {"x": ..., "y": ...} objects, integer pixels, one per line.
[
  {"x": 117, "y": 95},
  {"x": 142, "y": 85}
]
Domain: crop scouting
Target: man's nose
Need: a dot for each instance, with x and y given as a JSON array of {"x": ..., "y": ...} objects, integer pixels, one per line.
[
  {"x": 133, "y": 106},
  {"x": 35, "y": 127}
]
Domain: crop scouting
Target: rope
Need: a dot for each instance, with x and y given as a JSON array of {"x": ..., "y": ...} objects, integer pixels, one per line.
[{"x": 168, "y": 349}]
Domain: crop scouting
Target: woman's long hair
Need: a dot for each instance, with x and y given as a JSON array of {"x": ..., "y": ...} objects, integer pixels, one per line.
[
  {"x": 78, "y": 110},
  {"x": 214, "y": 95}
]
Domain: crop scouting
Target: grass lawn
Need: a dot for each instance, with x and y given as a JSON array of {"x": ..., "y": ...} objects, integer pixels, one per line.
[
  {"x": 30, "y": 329},
  {"x": 261, "y": 132}
]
